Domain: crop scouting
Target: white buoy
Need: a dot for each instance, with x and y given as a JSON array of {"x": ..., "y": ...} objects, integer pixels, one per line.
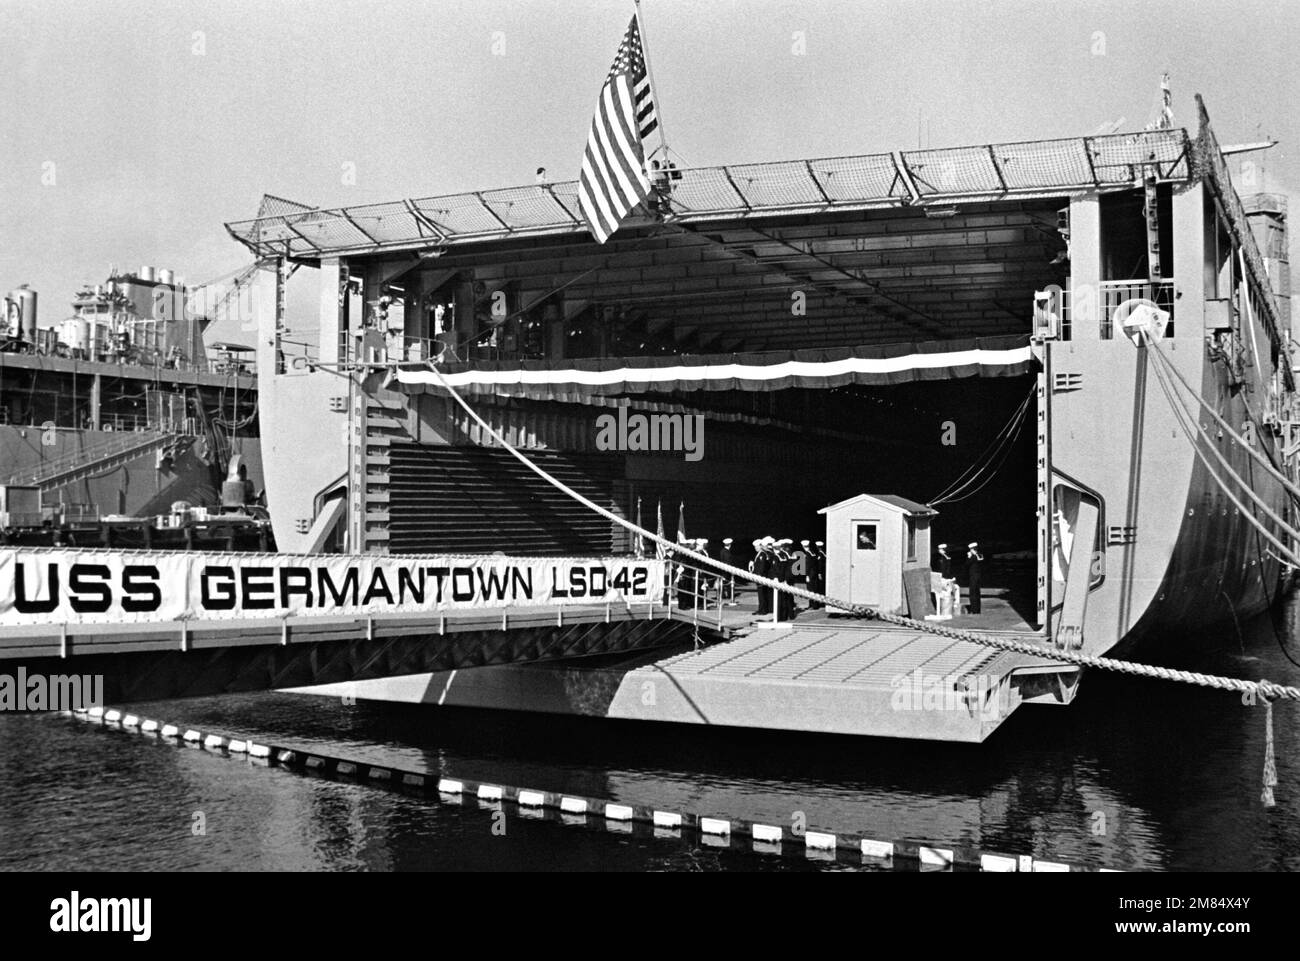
[
  {"x": 171, "y": 730},
  {"x": 573, "y": 805},
  {"x": 130, "y": 721},
  {"x": 531, "y": 799},
  {"x": 767, "y": 834},
  {"x": 715, "y": 826},
  {"x": 149, "y": 727},
  {"x": 237, "y": 747},
  {"x": 667, "y": 819},
  {"x": 995, "y": 862},
  {"x": 1040, "y": 866},
  {"x": 819, "y": 841},
  {"x": 940, "y": 857},
  {"x": 489, "y": 792},
  {"x": 192, "y": 736},
  {"x": 112, "y": 716},
  {"x": 618, "y": 812},
  {"x": 259, "y": 750},
  {"x": 448, "y": 786},
  {"x": 877, "y": 849},
  {"x": 214, "y": 741}
]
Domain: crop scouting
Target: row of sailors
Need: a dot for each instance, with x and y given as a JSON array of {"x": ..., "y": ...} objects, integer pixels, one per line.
[
  {"x": 780, "y": 560},
  {"x": 775, "y": 559}
]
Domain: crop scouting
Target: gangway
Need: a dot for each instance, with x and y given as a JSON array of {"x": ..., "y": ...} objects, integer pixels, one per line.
[{"x": 188, "y": 623}]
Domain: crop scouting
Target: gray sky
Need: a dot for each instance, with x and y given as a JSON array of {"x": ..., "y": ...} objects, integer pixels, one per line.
[{"x": 164, "y": 119}]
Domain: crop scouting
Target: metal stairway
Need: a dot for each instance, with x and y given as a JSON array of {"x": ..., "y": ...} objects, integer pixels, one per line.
[{"x": 74, "y": 466}]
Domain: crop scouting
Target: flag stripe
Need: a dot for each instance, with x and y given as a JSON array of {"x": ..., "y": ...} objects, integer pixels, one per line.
[
  {"x": 608, "y": 204},
  {"x": 598, "y": 182},
  {"x": 617, "y": 156}
]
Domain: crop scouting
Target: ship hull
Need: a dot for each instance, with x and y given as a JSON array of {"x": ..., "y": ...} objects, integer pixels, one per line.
[{"x": 1221, "y": 571}]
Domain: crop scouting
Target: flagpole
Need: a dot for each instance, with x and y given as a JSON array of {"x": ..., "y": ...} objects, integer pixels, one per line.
[{"x": 650, "y": 75}]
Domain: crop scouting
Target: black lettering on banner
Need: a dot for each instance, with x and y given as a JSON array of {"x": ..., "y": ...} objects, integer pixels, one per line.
[
  {"x": 101, "y": 597},
  {"x": 24, "y": 605},
  {"x": 620, "y": 582},
  {"x": 577, "y": 581},
  {"x": 340, "y": 598},
  {"x": 295, "y": 582},
  {"x": 604, "y": 582},
  {"x": 556, "y": 589},
  {"x": 639, "y": 577},
  {"x": 407, "y": 581},
  {"x": 140, "y": 588},
  {"x": 492, "y": 583},
  {"x": 521, "y": 586},
  {"x": 225, "y": 582},
  {"x": 378, "y": 588},
  {"x": 456, "y": 593},
  {"x": 253, "y": 590},
  {"x": 438, "y": 574}
]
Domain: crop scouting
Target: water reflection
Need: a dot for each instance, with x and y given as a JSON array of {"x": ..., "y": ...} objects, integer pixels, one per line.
[{"x": 1136, "y": 774}]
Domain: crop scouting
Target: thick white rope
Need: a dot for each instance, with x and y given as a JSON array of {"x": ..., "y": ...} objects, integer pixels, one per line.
[
  {"x": 1249, "y": 448},
  {"x": 1262, "y": 688},
  {"x": 1182, "y": 415}
]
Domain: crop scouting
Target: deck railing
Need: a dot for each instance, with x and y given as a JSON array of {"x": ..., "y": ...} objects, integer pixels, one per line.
[{"x": 1085, "y": 304}]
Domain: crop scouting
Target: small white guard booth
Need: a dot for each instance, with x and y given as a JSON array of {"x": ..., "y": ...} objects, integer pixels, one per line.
[{"x": 873, "y": 543}]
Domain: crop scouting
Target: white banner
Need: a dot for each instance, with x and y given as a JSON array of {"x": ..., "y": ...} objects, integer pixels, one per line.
[{"x": 138, "y": 587}]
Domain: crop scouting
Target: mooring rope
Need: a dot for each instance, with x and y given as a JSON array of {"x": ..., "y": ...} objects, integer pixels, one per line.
[{"x": 1227, "y": 428}]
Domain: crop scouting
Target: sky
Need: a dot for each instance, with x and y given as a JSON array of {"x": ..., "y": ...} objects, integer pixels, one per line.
[{"x": 131, "y": 131}]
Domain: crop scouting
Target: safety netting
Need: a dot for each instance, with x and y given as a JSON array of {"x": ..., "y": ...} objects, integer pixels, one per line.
[{"x": 1039, "y": 167}]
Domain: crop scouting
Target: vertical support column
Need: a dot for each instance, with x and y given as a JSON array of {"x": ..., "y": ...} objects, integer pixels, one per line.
[
  {"x": 1045, "y": 529},
  {"x": 267, "y": 292},
  {"x": 1151, "y": 212},
  {"x": 96, "y": 387},
  {"x": 1085, "y": 268},
  {"x": 356, "y": 465},
  {"x": 333, "y": 274},
  {"x": 1190, "y": 259}
]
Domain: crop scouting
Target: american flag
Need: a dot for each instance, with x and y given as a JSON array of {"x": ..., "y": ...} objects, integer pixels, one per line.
[{"x": 613, "y": 178}]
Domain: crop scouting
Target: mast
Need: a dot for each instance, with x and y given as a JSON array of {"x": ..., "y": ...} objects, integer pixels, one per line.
[{"x": 650, "y": 75}]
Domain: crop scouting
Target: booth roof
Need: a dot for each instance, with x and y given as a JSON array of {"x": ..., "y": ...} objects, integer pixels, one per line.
[{"x": 893, "y": 500}]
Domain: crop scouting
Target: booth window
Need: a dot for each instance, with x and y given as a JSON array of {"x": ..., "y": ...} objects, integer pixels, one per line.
[
  {"x": 866, "y": 537},
  {"x": 911, "y": 538}
]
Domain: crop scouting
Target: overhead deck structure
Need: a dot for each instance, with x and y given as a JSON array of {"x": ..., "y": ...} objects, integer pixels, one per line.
[{"x": 956, "y": 242}]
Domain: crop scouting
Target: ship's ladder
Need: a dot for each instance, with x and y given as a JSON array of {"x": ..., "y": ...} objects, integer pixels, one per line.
[{"x": 104, "y": 457}]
